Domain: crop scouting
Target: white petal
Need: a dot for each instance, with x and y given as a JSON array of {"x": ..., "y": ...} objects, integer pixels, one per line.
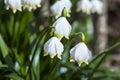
[
  {"x": 85, "y": 6},
  {"x": 31, "y": 4},
  {"x": 58, "y": 6},
  {"x": 13, "y": 4},
  {"x": 81, "y": 53},
  {"x": 53, "y": 46},
  {"x": 97, "y": 6},
  {"x": 67, "y": 3},
  {"x": 62, "y": 26}
]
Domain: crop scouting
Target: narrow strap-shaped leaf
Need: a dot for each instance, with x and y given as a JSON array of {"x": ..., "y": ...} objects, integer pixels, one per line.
[
  {"x": 3, "y": 47},
  {"x": 99, "y": 63}
]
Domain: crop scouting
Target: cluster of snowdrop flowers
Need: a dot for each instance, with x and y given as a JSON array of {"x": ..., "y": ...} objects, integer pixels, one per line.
[
  {"x": 19, "y": 4},
  {"x": 61, "y": 28},
  {"x": 59, "y": 5},
  {"x": 54, "y": 47},
  {"x": 90, "y": 6}
]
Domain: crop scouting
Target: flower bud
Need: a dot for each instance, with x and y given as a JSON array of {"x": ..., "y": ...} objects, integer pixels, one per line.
[
  {"x": 64, "y": 12},
  {"x": 82, "y": 37}
]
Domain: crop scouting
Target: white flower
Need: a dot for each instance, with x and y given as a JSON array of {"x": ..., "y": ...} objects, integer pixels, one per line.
[
  {"x": 80, "y": 53},
  {"x": 58, "y": 6},
  {"x": 31, "y": 4},
  {"x": 13, "y": 4},
  {"x": 68, "y": 4},
  {"x": 84, "y": 6},
  {"x": 97, "y": 6},
  {"x": 62, "y": 27},
  {"x": 53, "y": 47}
]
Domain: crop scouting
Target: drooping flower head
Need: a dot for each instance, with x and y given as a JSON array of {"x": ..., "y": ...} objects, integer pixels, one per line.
[
  {"x": 58, "y": 6},
  {"x": 97, "y": 6},
  {"x": 62, "y": 27},
  {"x": 53, "y": 47},
  {"x": 80, "y": 53},
  {"x": 13, "y": 4},
  {"x": 84, "y": 6},
  {"x": 31, "y": 4},
  {"x": 68, "y": 4}
]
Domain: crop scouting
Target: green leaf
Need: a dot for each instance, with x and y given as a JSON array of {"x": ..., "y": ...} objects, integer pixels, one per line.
[
  {"x": 14, "y": 76},
  {"x": 3, "y": 66},
  {"x": 3, "y": 47}
]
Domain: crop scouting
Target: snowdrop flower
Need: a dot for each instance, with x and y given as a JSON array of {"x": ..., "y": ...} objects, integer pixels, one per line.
[
  {"x": 57, "y": 7},
  {"x": 97, "y": 6},
  {"x": 31, "y": 4},
  {"x": 62, "y": 27},
  {"x": 53, "y": 47},
  {"x": 68, "y": 5},
  {"x": 84, "y": 6},
  {"x": 13, "y": 4},
  {"x": 80, "y": 53}
]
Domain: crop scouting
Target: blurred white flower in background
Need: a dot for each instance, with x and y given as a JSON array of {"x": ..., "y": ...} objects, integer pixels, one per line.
[
  {"x": 62, "y": 27},
  {"x": 31, "y": 4},
  {"x": 53, "y": 47},
  {"x": 18, "y": 4},
  {"x": 80, "y": 53},
  {"x": 58, "y": 6},
  {"x": 17, "y": 66},
  {"x": 97, "y": 6},
  {"x": 84, "y": 6},
  {"x": 90, "y": 6},
  {"x": 63, "y": 70},
  {"x": 14, "y": 5}
]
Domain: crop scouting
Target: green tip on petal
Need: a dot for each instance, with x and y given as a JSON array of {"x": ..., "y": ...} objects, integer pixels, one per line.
[
  {"x": 80, "y": 62},
  {"x": 67, "y": 36},
  {"x": 60, "y": 36},
  {"x": 72, "y": 59},
  {"x": 56, "y": 14},
  {"x": 59, "y": 56},
  {"x": 20, "y": 9},
  {"x": 38, "y": 5},
  {"x": 52, "y": 55},
  {"x": 7, "y": 7},
  {"x": 68, "y": 15},
  {"x": 86, "y": 61},
  {"x": 45, "y": 54},
  {"x": 14, "y": 10}
]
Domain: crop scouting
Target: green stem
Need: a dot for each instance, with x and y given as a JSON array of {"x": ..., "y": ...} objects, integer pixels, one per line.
[
  {"x": 34, "y": 51},
  {"x": 89, "y": 24},
  {"x": 81, "y": 36}
]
